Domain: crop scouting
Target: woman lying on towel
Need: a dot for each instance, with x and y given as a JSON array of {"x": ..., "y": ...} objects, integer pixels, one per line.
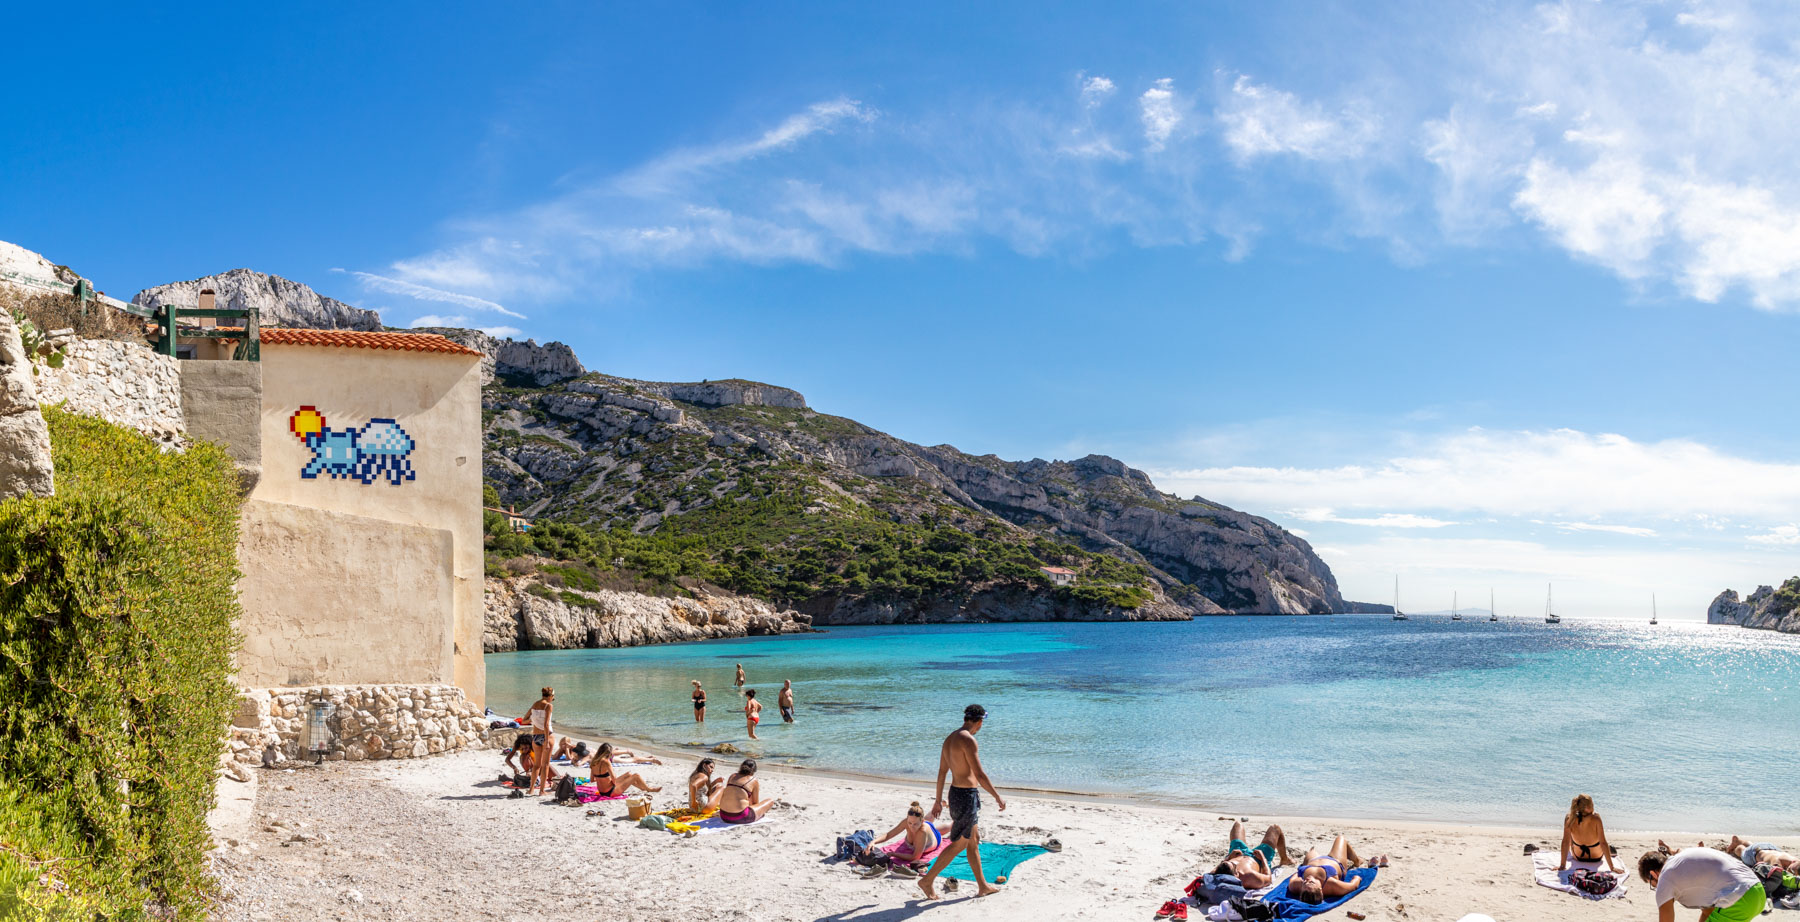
[
  {"x": 742, "y": 801},
  {"x": 607, "y": 784},
  {"x": 922, "y": 838},
  {"x": 1324, "y": 877},
  {"x": 703, "y": 788}
]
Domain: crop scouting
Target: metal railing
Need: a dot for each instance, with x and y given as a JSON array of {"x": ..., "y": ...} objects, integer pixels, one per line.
[{"x": 167, "y": 317}]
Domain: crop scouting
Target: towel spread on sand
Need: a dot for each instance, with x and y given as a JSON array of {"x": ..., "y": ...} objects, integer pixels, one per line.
[
  {"x": 1286, "y": 908},
  {"x": 588, "y": 794},
  {"x": 713, "y": 824},
  {"x": 997, "y": 860},
  {"x": 900, "y": 851},
  {"x": 1543, "y": 870}
]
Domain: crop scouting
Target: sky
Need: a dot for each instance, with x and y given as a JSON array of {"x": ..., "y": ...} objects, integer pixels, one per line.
[{"x": 1476, "y": 295}]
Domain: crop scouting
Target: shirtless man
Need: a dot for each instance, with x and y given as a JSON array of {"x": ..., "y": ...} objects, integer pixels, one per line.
[
  {"x": 960, "y": 760},
  {"x": 1755, "y": 853},
  {"x": 752, "y": 711},
  {"x": 740, "y": 675},
  {"x": 1255, "y": 867},
  {"x": 785, "y": 701}
]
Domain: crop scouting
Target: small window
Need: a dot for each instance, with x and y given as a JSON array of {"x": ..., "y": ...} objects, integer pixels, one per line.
[{"x": 184, "y": 352}]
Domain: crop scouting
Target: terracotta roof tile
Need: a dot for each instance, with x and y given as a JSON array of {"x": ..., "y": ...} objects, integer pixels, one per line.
[{"x": 358, "y": 339}]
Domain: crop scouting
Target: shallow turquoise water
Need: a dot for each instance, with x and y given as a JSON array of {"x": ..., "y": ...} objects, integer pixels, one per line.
[{"x": 1680, "y": 726}]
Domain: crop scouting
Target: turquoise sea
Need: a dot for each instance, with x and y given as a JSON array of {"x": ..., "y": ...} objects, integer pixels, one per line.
[{"x": 1679, "y": 726}]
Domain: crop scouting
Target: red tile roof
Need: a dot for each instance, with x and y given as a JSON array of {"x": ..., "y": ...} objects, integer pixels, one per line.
[
  {"x": 358, "y": 339},
  {"x": 1058, "y": 570}
]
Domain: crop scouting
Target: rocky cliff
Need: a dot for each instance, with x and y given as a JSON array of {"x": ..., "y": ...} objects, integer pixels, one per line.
[
  {"x": 279, "y": 302},
  {"x": 1767, "y": 608},
  {"x": 723, "y": 457},
  {"x": 513, "y": 362},
  {"x": 525, "y": 614}
]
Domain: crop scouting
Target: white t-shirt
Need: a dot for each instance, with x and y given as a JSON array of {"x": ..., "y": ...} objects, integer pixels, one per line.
[{"x": 1704, "y": 878}]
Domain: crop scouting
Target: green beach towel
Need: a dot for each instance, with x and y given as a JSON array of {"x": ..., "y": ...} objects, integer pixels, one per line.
[{"x": 997, "y": 860}]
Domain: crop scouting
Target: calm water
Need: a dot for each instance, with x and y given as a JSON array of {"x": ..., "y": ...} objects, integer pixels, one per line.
[{"x": 1680, "y": 726}]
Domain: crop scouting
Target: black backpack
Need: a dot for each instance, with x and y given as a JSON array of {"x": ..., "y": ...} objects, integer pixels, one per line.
[
  {"x": 566, "y": 793},
  {"x": 1777, "y": 882}
]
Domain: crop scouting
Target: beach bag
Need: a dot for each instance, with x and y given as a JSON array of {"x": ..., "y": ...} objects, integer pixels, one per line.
[
  {"x": 521, "y": 780},
  {"x": 848, "y": 847},
  {"x": 1777, "y": 883},
  {"x": 1593, "y": 883},
  {"x": 873, "y": 859},
  {"x": 1251, "y": 910},
  {"x": 566, "y": 793},
  {"x": 1213, "y": 889}
]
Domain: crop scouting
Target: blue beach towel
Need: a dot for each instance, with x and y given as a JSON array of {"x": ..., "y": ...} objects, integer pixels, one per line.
[
  {"x": 997, "y": 860},
  {"x": 1294, "y": 909}
]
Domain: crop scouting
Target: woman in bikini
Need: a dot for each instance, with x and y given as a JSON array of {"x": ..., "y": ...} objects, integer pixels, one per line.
[
  {"x": 1326, "y": 877},
  {"x": 703, "y": 788},
  {"x": 742, "y": 800},
  {"x": 543, "y": 741},
  {"x": 922, "y": 838},
  {"x": 699, "y": 703},
  {"x": 607, "y": 784},
  {"x": 752, "y": 712},
  {"x": 1584, "y": 836}
]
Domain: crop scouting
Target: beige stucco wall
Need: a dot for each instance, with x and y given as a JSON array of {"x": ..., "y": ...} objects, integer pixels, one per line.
[
  {"x": 436, "y": 399},
  {"x": 343, "y": 599}
]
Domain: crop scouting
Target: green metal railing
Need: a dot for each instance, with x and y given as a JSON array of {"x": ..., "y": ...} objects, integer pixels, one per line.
[{"x": 167, "y": 317}]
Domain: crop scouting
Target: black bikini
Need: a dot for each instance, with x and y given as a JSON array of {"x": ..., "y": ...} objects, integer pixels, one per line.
[{"x": 1581, "y": 851}]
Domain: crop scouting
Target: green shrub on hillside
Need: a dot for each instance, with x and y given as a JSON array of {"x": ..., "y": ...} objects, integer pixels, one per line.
[{"x": 117, "y": 604}]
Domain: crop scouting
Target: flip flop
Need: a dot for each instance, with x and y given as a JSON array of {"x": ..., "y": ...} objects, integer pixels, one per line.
[{"x": 1052, "y": 845}]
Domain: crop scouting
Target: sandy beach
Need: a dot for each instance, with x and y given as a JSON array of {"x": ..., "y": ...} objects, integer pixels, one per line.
[{"x": 438, "y": 839}]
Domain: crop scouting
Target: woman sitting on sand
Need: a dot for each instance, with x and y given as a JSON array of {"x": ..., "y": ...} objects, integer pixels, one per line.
[
  {"x": 1326, "y": 877},
  {"x": 607, "y": 784},
  {"x": 922, "y": 838},
  {"x": 742, "y": 800},
  {"x": 703, "y": 788},
  {"x": 1584, "y": 836}
]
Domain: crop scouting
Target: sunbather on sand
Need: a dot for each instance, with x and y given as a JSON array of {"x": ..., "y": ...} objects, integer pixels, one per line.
[
  {"x": 1255, "y": 867},
  {"x": 575, "y": 752},
  {"x": 703, "y": 788},
  {"x": 1584, "y": 836},
  {"x": 1324, "y": 877},
  {"x": 1755, "y": 853},
  {"x": 742, "y": 801},
  {"x": 921, "y": 837},
  {"x": 606, "y": 784}
]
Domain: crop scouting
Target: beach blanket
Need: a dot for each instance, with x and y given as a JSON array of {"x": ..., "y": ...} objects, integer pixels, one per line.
[
  {"x": 588, "y": 794},
  {"x": 1286, "y": 908},
  {"x": 997, "y": 860},
  {"x": 902, "y": 853},
  {"x": 1543, "y": 870},
  {"x": 713, "y": 824}
]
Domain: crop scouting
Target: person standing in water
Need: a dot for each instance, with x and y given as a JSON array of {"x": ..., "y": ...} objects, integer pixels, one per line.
[
  {"x": 785, "y": 701},
  {"x": 740, "y": 676},
  {"x": 699, "y": 703},
  {"x": 960, "y": 760},
  {"x": 752, "y": 711}
]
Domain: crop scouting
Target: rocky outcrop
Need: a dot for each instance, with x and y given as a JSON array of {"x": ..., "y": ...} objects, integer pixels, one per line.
[
  {"x": 564, "y": 619},
  {"x": 278, "y": 301},
  {"x": 998, "y": 604},
  {"x": 19, "y": 266},
  {"x": 25, "y": 467},
  {"x": 1767, "y": 608},
  {"x": 123, "y": 383},
  {"x": 515, "y": 362}
]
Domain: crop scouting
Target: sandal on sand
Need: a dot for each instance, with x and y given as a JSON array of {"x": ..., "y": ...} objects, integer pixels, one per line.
[
  {"x": 904, "y": 870},
  {"x": 950, "y": 884},
  {"x": 1052, "y": 845}
]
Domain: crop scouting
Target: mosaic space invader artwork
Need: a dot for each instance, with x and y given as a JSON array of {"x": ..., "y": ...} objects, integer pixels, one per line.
[{"x": 379, "y": 449}]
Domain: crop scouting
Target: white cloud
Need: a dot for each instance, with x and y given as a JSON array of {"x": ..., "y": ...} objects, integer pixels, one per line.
[
  {"x": 1779, "y": 535},
  {"x": 1260, "y": 120},
  {"x": 1635, "y": 531},
  {"x": 1094, "y": 90},
  {"x": 1385, "y": 520},
  {"x": 1558, "y": 474},
  {"x": 420, "y": 292},
  {"x": 1157, "y": 109}
]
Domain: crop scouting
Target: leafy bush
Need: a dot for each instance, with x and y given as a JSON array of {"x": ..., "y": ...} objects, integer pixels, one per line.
[{"x": 117, "y": 603}]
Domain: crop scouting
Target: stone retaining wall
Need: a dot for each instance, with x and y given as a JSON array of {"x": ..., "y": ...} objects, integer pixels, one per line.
[
  {"x": 369, "y": 722},
  {"x": 123, "y": 383}
]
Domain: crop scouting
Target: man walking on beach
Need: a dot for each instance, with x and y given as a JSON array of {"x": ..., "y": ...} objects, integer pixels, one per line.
[
  {"x": 785, "y": 701},
  {"x": 960, "y": 760}
]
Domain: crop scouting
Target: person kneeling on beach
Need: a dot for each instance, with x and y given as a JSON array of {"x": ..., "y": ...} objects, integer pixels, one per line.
[
  {"x": 1327, "y": 877},
  {"x": 703, "y": 788},
  {"x": 961, "y": 760},
  {"x": 742, "y": 801},
  {"x": 1255, "y": 867},
  {"x": 1717, "y": 884}
]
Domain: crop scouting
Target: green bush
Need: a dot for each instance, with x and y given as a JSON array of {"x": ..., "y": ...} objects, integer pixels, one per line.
[{"x": 117, "y": 605}]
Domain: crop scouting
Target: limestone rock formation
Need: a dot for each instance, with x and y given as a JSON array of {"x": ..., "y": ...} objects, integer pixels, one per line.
[
  {"x": 513, "y": 361},
  {"x": 518, "y": 619},
  {"x": 279, "y": 302},
  {"x": 1768, "y": 608},
  {"x": 25, "y": 468}
]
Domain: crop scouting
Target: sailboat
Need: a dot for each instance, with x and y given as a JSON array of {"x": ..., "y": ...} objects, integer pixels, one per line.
[
  {"x": 1652, "y": 608},
  {"x": 1550, "y": 616},
  {"x": 1492, "y": 614},
  {"x": 1455, "y": 614},
  {"x": 1398, "y": 614}
]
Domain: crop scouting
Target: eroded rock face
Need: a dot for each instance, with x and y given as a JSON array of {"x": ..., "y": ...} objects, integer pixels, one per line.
[
  {"x": 279, "y": 302},
  {"x": 25, "y": 468},
  {"x": 1767, "y": 608},
  {"x": 517, "y": 619},
  {"x": 518, "y": 362}
]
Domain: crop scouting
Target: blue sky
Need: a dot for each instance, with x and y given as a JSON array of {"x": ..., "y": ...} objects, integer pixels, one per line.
[{"x": 1480, "y": 295}]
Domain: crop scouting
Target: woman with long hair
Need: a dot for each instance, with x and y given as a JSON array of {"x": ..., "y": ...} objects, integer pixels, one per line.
[{"x": 1584, "y": 836}]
